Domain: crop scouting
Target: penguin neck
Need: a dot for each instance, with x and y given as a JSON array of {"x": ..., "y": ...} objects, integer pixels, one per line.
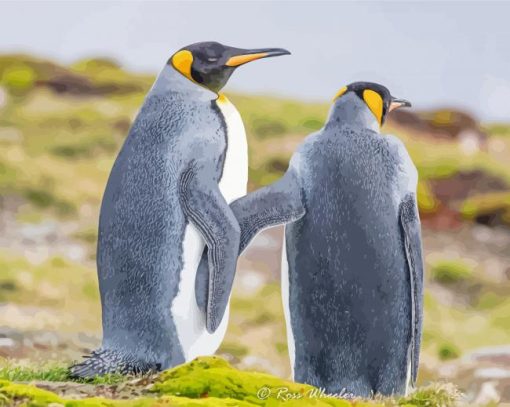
[
  {"x": 350, "y": 109},
  {"x": 170, "y": 81}
]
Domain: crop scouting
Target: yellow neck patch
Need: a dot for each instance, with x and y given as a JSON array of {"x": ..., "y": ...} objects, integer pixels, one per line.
[
  {"x": 340, "y": 93},
  {"x": 374, "y": 102},
  {"x": 182, "y": 61},
  {"x": 222, "y": 99}
]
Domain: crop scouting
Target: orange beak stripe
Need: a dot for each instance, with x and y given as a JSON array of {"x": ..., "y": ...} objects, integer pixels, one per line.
[
  {"x": 242, "y": 59},
  {"x": 395, "y": 105}
]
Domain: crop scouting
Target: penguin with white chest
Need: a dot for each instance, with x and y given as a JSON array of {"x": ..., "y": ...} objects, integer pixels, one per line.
[
  {"x": 352, "y": 268},
  {"x": 167, "y": 196}
]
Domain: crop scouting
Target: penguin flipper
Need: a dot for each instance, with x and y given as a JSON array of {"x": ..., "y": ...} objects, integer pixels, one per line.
[
  {"x": 206, "y": 208},
  {"x": 276, "y": 204},
  {"x": 202, "y": 282},
  {"x": 410, "y": 224}
]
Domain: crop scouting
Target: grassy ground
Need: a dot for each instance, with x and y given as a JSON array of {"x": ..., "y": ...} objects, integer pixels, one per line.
[{"x": 205, "y": 381}]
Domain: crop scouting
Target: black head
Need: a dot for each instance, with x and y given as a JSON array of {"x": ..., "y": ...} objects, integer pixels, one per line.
[
  {"x": 377, "y": 97},
  {"x": 210, "y": 64}
]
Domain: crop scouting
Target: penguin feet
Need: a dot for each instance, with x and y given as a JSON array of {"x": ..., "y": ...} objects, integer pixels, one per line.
[{"x": 103, "y": 361}]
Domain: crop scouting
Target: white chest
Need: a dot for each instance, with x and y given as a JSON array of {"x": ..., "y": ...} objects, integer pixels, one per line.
[
  {"x": 234, "y": 180},
  {"x": 189, "y": 320}
]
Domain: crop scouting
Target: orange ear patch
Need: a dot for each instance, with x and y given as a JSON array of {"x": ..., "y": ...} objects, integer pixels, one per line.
[
  {"x": 374, "y": 102},
  {"x": 182, "y": 61}
]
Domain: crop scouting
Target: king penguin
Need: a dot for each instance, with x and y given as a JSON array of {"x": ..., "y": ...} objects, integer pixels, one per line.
[
  {"x": 352, "y": 268},
  {"x": 184, "y": 160}
]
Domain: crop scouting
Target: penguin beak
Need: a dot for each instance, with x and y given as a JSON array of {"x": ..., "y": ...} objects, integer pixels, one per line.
[
  {"x": 397, "y": 103},
  {"x": 247, "y": 55}
]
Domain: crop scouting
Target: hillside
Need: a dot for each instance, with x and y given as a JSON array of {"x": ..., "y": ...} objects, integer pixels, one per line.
[{"x": 60, "y": 129}]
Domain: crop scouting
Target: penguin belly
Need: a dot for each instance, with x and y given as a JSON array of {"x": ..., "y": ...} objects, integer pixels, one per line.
[
  {"x": 189, "y": 320},
  {"x": 285, "y": 287}
]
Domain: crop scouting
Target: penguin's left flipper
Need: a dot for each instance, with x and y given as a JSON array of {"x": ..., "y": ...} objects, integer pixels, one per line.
[
  {"x": 205, "y": 207},
  {"x": 279, "y": 203},
  {"x": 410, "y": 223},
  {"x": 409, "y": 219},
  {"x": 276, "y": 204}
]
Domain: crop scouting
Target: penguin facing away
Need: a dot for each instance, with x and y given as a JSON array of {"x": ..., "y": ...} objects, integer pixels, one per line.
[
  {"x": 352, "y": 267},
  {"x": 184, "y": 159}
]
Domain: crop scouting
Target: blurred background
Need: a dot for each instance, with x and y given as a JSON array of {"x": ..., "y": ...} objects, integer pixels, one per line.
[{"x": 74, "y": 74}]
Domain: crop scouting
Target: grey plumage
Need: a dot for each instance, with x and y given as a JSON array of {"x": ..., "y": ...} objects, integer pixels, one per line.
[
  {"x": 166, "y": 198},
  {"x": 353, "y": 247},
  {"x": 177, "y": 139}
]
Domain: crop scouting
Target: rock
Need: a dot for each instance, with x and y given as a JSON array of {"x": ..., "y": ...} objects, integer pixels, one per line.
[
  {"x": 464, "y": 184},
  {"x": 488, "y": 394},
  {"x": 7, "y": 343},
  {"x": 446, "y": 124}
]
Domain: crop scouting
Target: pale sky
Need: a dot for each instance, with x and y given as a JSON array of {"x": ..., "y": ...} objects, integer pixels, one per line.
[{"x": 432, "y": 53}]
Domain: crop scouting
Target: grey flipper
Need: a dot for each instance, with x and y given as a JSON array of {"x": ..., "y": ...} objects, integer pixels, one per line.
[
  {"x": 279, "y": 203},
  {"x": 410, "y": 223},
  {"x": 206, "y": 208}
]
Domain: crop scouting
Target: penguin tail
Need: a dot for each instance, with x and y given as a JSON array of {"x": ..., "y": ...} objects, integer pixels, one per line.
[{"x": 105, "y": 361}]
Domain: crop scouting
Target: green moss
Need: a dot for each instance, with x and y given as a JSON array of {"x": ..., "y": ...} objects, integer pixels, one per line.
[
  {"x": 495, "y": 204},
  {"x": 18, "y": 78},
  {"x": 44, "y": 198},
  {"x": 32, "y": 395},
  {"x": 489, "y": 300},
  {"x": 451, "y": 271},
  {"x": 434, "y": 395},
  {"x": 88, "y": 235},
  {"x": 497, "y": 129},
  {"x": 281, "y": 347},
  {"x": 51, "y": 373},
  {"x": 233, "y": 348},
  {"x": 211, "y": 381},
  {"x": 448, "y": 351},
  {"x": 214, "y": 377},
  {"x": 427, "y": 202}
]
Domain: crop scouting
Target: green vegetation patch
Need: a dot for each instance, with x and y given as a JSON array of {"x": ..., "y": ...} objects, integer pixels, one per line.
[
  {"x": 52, "y": 373},
  {"x": 497, "y": 129},
  {"x": 451, "y": 271},
  {"x": 496, "y": 204},
  {"x": 438, "y": 394},
  {"x": 18, "y": 78},
  {"x": 448, "y": 351},
  {"x": 269, "y": 117},
  {"x": 214, "y": 377},
  {"x": 427, "y": 202},
  {"x": 211, "y": 381}
]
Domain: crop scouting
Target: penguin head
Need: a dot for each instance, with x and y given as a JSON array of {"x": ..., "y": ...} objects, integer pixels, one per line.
[
  {"x": 377, "y": 97},
  {"x": 210, "y": 64}
]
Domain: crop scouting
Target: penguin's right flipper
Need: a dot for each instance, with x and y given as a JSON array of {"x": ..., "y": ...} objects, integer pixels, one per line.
[
  {"x": 275, "y": 204},
  {"x": 410, "y": 223},
  {"x": 206, "y": 208}
]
